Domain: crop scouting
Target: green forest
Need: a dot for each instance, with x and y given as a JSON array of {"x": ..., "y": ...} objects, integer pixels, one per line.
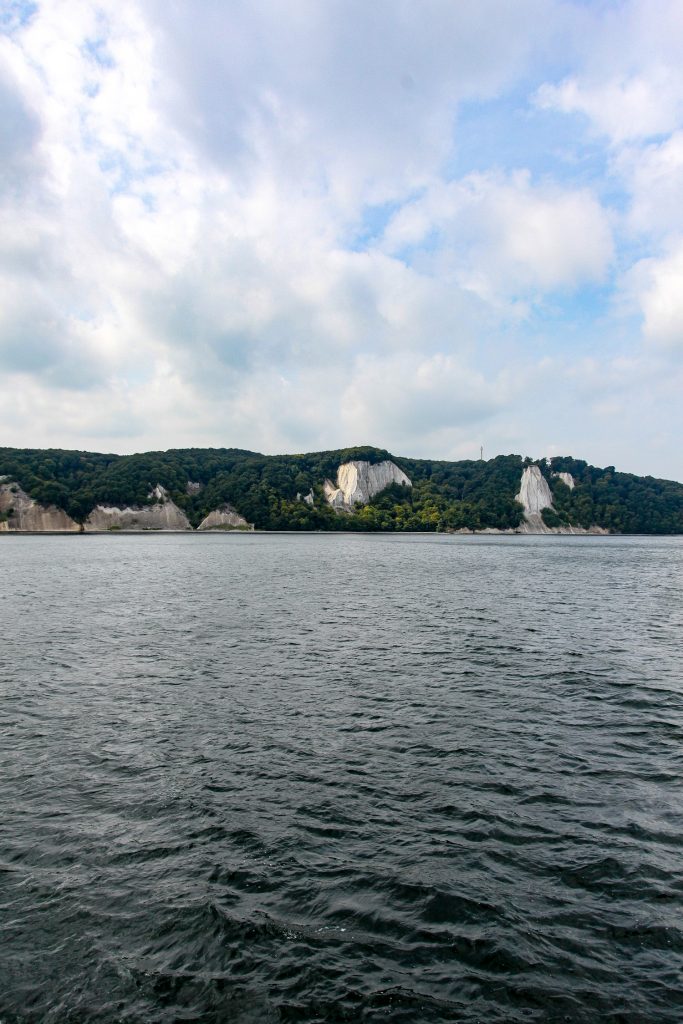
[{"x": 445, "y": 496}]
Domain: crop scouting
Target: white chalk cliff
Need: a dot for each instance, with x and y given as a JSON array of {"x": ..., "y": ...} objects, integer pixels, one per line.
[
  {"x": 535, "y": 495},
  {"x": 566, "y": 478},
  {"x": 20, "y": 513},
  {"x": 358, "y": 482},
  {"x": 164, "y": 514},
  {"x": 224, "y": 518}
]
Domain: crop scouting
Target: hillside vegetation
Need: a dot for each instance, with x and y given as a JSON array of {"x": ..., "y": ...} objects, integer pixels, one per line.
[{"x": 445, "y": 495}]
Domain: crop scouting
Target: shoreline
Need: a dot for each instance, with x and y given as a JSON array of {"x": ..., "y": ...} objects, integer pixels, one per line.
[{"x": 323, "y": 533}]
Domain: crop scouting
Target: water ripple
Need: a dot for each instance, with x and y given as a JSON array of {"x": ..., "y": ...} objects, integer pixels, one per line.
[{"x": 330, "y": 778}]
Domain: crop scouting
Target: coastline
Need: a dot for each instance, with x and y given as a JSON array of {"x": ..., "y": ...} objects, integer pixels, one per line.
[{"x": 331, "y": 533}]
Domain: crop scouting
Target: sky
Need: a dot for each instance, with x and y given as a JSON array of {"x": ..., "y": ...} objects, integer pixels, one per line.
[{"x": 295, "y": 225}]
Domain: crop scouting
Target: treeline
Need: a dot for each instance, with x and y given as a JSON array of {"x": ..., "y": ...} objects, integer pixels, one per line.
[
  {"x": 262, "y": 488},
  {"x": 268, "y": 490},
  {"x": 620, "y": 502}
]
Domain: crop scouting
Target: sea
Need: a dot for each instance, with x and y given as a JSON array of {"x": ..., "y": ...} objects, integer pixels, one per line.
[{"x": 327, "y": 777}]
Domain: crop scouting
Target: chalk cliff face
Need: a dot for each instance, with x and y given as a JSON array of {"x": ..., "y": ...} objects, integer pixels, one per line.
[
  {"x": 30, "y": 517},
  {"x": 163, "y": 515},
  {"x": 535, "y": 495},
  {"x": 224, "y": 518},
  {"x": 358, "y": 482},
  {"x": 566, "y": 478}
]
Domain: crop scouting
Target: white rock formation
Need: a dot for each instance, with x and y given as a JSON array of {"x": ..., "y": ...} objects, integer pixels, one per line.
[
  {"x": 534, "y": 524},
  {"x": 358, "y": 482},
  {"x": 27, "y": 516},
  {"x": 308, "y": 498},
  {"x": 535, "y": 495},
  {"x": 163, "y": 515},
  {"x": 193, "y": 487},
  {"x": 224, "y": 518},
  {"x": 566, "y": 478}
]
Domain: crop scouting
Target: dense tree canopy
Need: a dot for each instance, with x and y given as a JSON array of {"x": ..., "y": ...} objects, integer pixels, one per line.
[
  {"x": 620, "y": 502},
  {"x": 267, "y": 490}
]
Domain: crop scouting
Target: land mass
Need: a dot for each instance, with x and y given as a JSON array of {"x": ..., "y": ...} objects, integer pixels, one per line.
[{"x": 361, "y": 488}]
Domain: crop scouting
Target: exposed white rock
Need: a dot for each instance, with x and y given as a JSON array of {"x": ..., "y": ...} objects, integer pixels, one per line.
[
  {"x": 534, "y": 493},
  {"x": 566, "y": 478},
  {"x": 358, "y": 482},
  {"x": 224, "y": 518},
  {"x": 533, "y": 523},
  {"x": 27, "y": 516},
  {"x": 163, "y": 515},
  {"x": 193, "y": 487}
]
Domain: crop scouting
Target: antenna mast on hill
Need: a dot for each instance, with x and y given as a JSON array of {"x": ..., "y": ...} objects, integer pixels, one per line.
[{"x": 481, "y": 452}]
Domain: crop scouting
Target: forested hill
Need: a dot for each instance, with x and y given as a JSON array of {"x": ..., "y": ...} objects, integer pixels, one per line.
[{"x": 264, "y": 489}]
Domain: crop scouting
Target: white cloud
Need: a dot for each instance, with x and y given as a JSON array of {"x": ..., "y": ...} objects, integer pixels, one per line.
[
  {"x": 357, "y": 98},
  {"x": 412, "y": 398},
  {"x": 657, "y": 285},
  {"x": 240, "y": 223},
  {"x": 622, "y": 108},
  {"x": 503, "y": 236},
  {"x": 653, "y": 175},
  {"x": 628, "y": 79},
  {"x": 628, "y": 83}
]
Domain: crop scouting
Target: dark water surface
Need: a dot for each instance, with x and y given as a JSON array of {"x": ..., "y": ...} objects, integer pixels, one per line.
[{"x": 341, "y": 778}]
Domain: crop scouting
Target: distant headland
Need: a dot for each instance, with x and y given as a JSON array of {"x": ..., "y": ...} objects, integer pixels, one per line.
[{"x": 362, "y": 489}]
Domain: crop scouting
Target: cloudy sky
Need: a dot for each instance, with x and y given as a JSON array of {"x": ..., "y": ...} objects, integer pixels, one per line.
[{"x": 289, "y": 225}]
